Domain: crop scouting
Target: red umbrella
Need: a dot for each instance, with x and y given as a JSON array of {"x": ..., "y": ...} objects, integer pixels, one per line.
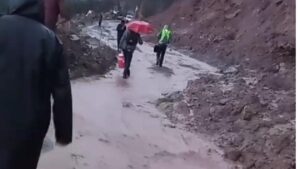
[{"x": 140, "y": 27}]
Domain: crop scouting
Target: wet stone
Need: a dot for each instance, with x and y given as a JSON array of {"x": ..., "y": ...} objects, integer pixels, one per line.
[
  {"x": 223, "y": 102},
  {"x": 231, "y": 70},
  {"x": 103, "y": 140},
  {"x": 127, "y": 104},
  {"x": 233, "y": 155},
  {"x": 247, "y": 113}
]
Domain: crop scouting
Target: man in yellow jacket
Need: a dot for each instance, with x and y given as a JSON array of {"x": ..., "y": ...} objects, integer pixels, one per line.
[{"x": 164, "y": 37}]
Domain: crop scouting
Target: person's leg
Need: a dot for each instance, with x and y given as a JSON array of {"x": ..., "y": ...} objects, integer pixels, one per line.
[
  {"x": 118, "y": 41},
  {"x": 159, "y": 53},
  {"x": 126, "y": 64},
  {"x": 163, "y": 52},
  {"x": 157, "y": 57},
  {"x": 130, "y": 55}
]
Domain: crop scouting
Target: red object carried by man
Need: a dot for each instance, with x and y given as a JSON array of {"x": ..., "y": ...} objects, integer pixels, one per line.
[
  {"x": 121, "y": 61},
  {"x": 141, "y": 27}
]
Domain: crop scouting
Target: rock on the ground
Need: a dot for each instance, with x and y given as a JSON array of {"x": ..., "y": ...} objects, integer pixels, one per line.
[
  {"x": 223, "y": 101},
  {"x": 247, "y": 113},
  {"x": 231, "y": 69},
  {"x": 166, "y": 107},
  {"x": 233, "y": 155},
  {"x": 127, "y": 104}
]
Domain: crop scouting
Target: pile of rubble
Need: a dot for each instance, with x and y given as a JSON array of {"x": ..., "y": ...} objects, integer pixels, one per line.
[{"x": 85, "y": 58}]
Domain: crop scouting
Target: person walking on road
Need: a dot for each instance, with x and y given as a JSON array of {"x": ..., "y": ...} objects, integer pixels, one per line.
[
  {"x": 120, "y": 29},
  {"x": 100, "y": 20},
  {"x": 128, "y": 44},
  {"x": 164, "y": 37},
  {"x": 32, "y": 69}
]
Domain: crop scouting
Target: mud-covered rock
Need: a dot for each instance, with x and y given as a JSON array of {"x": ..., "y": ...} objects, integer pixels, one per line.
[
  {"x": 248, "y": 122},
  {"x": 247, "y": 113},
  {"x": 223, "y": 101},
  {"x": 85, "y": 58},
  {"x": 166, "y": 107},
  {"x": 171, "y": 97},
  {"x": 233, "y": 155}
]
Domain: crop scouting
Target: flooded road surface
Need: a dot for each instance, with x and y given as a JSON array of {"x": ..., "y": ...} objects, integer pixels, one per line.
[{"x": 117, "y": 125}]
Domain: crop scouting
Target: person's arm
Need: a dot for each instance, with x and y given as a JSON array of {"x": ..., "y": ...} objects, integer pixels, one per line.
[
  {"x": 62, "y": 98},
  {"x": 123, "y": 40},
  {"x": 159, "y": 35},
  {"x": 123, "y": 28},
  {"x": 119, "y": 27}
]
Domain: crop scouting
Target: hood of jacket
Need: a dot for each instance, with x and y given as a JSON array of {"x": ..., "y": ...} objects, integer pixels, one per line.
[{"x": 33, "y": 9}]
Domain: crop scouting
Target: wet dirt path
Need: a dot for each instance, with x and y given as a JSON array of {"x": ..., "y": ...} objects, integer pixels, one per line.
[{"x": 117, "y": 125}]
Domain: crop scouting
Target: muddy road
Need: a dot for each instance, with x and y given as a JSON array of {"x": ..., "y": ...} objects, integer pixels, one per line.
[{"x": 116, "y": 123}]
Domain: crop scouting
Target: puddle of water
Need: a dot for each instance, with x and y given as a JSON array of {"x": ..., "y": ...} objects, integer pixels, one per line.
[{"x": 117, "y": 127}]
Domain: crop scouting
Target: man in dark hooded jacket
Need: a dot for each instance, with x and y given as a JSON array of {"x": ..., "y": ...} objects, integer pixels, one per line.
[
  {"x": 121, "y": 28},
  {"x": 128, "y": 44},
  {"x": 32, "y": 69}
]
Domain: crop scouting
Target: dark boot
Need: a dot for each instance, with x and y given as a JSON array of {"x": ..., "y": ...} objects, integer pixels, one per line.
[
  {"x": 157, "y": 59},
  {"x": 128, "y": 73},
  {"x": 162, "y": 55},
  {"x": 160, "y": 63},
  {"x": 125, "y": 76}
]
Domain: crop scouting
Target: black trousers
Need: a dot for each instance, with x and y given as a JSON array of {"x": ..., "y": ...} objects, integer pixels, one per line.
[
  {"x": 118, "y": 40},
  {"x": 128, "y": 57},
  {"x": 161, "y": 54},
  {"x": 20, "y": 154}
]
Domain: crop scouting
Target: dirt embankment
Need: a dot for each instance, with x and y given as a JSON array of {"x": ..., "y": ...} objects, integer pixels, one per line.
[
  {"x": 253, "y": 31},
  {"x": 249, "y": 109},
  {"x": 86, "y": 56}
]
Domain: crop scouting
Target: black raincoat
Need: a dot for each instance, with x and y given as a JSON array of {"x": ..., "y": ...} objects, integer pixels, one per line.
[{"x": 32, "y": 69}]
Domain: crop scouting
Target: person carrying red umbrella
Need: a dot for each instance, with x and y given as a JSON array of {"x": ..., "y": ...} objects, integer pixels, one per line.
[{"x": 130, "y": 39}]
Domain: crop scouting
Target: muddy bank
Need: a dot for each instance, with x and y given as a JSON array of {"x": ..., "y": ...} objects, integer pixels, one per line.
[
  {"x": 86, "y": 56},
  {"x": 252, "y": 122},
  {"x": 251, "y": 32},
  {"x": 249, "y": 109}
]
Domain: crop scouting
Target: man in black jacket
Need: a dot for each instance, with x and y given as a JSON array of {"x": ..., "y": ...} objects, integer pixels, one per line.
[
  {"x": 120, "y": 29},
  {"x": 128, "y": 44},
  {"x": 32, "y": 69}
]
